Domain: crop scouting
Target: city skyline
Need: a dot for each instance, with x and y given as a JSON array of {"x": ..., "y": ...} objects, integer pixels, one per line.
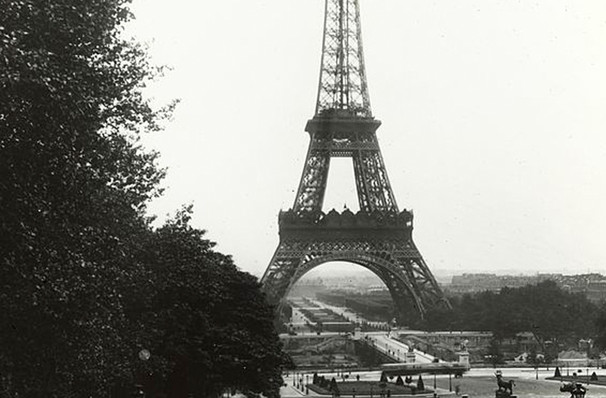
[{"x": 492, "y": 124}]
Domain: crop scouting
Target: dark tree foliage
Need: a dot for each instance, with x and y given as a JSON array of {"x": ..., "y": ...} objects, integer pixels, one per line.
[
  {"x": 551, "y": 313},
  {"x": 81, "y": 269},
  {"x": 207, "y": 324},
  {"x": 420, "y": 384},
  {"x": 495, "y": 355},
  {"x": 73, "y": 186},
  {"x": 532, "y": 358},
  {"x": 334, "y": 388},
  {"x": 600, "y": 324}
]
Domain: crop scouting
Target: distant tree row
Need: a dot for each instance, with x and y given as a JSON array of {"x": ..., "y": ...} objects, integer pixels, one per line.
[
  {"x": 372, "y": 306},
  {"x": 546, "y": 310},
  {"x": 600, "y": 335},
  {"x": 555, "y": 316},
  {"x": 91, "y": 296}
]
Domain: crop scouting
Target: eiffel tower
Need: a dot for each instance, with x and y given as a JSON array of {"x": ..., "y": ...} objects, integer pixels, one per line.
[{"x": 377, "y": 237}]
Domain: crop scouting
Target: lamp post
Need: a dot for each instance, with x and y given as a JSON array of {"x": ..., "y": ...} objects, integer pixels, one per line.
[{"x": 143, "y": 355}]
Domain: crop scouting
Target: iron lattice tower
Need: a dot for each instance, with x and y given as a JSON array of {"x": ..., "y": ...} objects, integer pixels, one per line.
[{"x": 378, "y": 236}]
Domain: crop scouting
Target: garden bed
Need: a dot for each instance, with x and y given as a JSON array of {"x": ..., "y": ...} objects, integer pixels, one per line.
[{"x": 368, "y": 387}]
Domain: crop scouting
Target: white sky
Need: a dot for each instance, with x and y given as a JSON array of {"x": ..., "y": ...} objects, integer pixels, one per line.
[{"x": 494, "y": 116}]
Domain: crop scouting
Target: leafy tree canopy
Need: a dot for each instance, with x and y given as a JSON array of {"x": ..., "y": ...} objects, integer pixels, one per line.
[
  {"x": 73, "y": 189},
  {"x": 204, "y": 316},
  {"x": 551, "y": 313},
  {"x": 81, "y": 270},
  {"x": 600, "y": 323}
]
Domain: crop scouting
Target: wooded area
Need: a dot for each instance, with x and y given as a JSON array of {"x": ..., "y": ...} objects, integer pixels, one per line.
[{"x": 92, "y": 297}]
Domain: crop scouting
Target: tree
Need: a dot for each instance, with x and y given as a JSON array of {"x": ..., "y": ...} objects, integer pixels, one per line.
[
  {"x": 207, "y": 323},
  {"x": 73, "y": 189},
  {"x": 551, "y": 352},
  {"x": 600, "y": 325},
  {"x": 532, "y": 358},
  {"x": 79, "y": 259},
  {"x": 494, "y": 354},
  {"x": 420, "y": 384},
  {"x": 553, "y": 315},
  {"x": 334, "y": 388}
]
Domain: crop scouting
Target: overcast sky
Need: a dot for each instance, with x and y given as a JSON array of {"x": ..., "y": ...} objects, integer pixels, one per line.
[{"x": 494, "y": 123}]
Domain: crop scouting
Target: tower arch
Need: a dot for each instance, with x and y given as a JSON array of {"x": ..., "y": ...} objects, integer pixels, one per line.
[{"x": 399, "y": 288}]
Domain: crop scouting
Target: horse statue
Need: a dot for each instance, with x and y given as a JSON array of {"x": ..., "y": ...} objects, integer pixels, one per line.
[
  {"x": 576, "y": 390},
  {"x": 504, "y": 386}
]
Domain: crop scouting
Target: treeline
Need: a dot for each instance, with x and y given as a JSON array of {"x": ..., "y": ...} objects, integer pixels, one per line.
[
  {"x": 93, "y": 299},
  {"x": 548, "y": 311},
  {"x": 551, "y": 313},
  {"x": 374, "y": 307}
]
